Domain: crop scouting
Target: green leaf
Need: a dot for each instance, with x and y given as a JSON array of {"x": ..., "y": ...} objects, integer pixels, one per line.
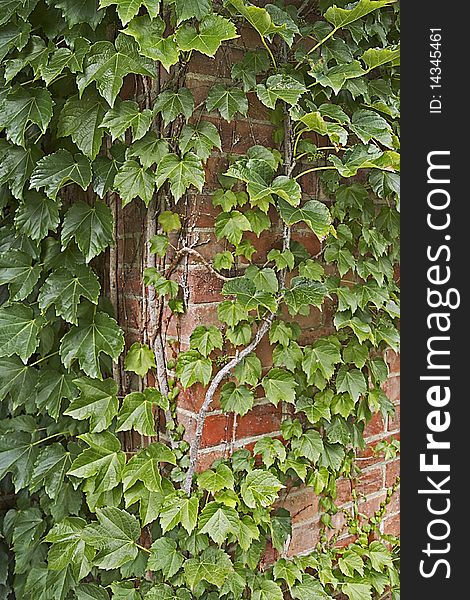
[
  {"x": 267, "y": 590},
  {"x": 36, "y": 216},
  {"x": 179, "y": 510},
  {"x": 219, "y": 521},
  {"x": 352, "y": 382},
  {"x": 16, "y": 166},
  {"x": 56, "y": 170},
  {"x": 96, "y": 333},
  {"x": 341, "y": 17},
  {"x": 192, "y": 367},
  {"x": 144, "y": 466},
  {"x": 171, "y": 104},
  {"x": 90, "y": 226},
  {"x": 107, "y": 64},
  {"x": 309, "y": 589},
  {"x": 137, "y": 412},
  {"x": 231, "y": 225},
  {"x": 114, "y": 537},
  {"x": 236, "y": 398},
  {"x": 169, "y": 221},
  {"x": 17, "y": 379},
  {"x": 104, "y": 171},
  {"x": 200, "y": 138},
  {"x": 97, "y": 402},
  {"x": 379, "y": 556},
  {"x": 303, "y": 294},
  {"x": 308, "y": 445},
  {"x": 322, "y": 356},
  {"x": 252, "y": 63},
  {"x": 63, "y": 58},
  {"x": 350, "y": 562},
  {"x": 270, "y": 450},
  {"x": 357, "y": 591},
  {"x": 260, "y": 488},
  {"x": 23, "y": 106},
  {"x": 214, "y": 480},
  {"x": 84, "y": 12},
  {"x": 228, "y": 101},
  {"x": 213, "y": 566},
  {"x": 17, "y": 456},
  {"x": 280, "y": 87},
  {"x": 314, "y": 213},
  {"x": 125, "y": 115},
  {"x": 90, "y": 591},
  {"x": 181, "y": 173},
  {"x": 139, "y": 359},
  {"x": 165, "y": 557},
  {"x": 186, "y": 9},
  {"x": 149, "y": 34},
  {"x": 205, "y": 339},
  {"x": 368, "y": 125},
  {"x": 332, "y": 456},
  {"x": 63, "y": 289},
  {"x": 288, "y": 571},
  {"x": 133, "y": 181},
  {"x": 259, "y": 18},
  {"x": 376, "y": 57},
  {"x": 208, "y": 37},
  {"x": 68, "y": 547},
  {"x": 279, "y": 386},
  {"x": 19, "y": 330},
  {"x": 49, "y": 471},
  {"x": 80, "y": 119},
  {"x": 161, "y": 591},
  {"x": 17, "y": 271},
  {"x": 127, "y": 9}
]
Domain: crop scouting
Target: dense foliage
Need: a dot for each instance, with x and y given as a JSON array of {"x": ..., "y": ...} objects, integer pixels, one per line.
[{"x": 84, "y": 518}]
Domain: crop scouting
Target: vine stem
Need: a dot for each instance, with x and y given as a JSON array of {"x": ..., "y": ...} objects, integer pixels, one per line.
[
  {"x": 188, "y": 250},
  {"x": 312, "y": 170},
  {"x": 208, "y": 398}
]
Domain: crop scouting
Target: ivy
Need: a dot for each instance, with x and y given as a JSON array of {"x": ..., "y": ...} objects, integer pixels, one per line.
[{"x": 89, "y": 121}]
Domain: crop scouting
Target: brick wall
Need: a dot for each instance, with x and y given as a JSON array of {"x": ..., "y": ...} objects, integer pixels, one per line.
[{"x": 225, "y": 432}]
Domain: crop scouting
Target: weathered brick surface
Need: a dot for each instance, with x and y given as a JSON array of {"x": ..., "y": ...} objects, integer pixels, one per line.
[{"x": 224, "y": 433}]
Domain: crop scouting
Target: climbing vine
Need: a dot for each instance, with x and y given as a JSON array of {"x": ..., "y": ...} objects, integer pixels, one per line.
[{"x": 82, "y": 516}]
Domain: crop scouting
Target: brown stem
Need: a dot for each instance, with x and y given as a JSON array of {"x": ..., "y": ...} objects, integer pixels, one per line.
[
  {"x": 185, "y": 250},
  {"x": 208, "y": 398}
]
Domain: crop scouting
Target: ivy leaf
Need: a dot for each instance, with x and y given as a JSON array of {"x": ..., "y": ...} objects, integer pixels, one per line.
[
  {"x": 309, "y": 589},
  {"x": 17, "y": 271},
  {"x": 288, "y": 571},
  {"x": 376, "y": 57},
  {"x": 149, "y": 34},
  {"x": 80, "y": 119},
  {"x": 279, "y": 386},
  {"x": 137, "y": 412},
  {"x": 193, "y": 8},
  {"x": 127, "y": 9},
  {"x": 19, "y": 330},
  {"x": 125, "y": 115},
  {"x": 63, "y": 289},
  {"x": 171, "y": 104},
  {"x": 309, "y": 444},
  {"x": 199, "y": 138},
  {"x": 357, "y": 591},
  {"x": 314, "y": 213},
  {"x": 219, "y": 521},
  {"x": 181, "y": 173},
  {"x": 49, "y": 471},
  {"x": 236, "y": 398},
  {"x": 379, "y": 556},
  {"x": 16, "y": 166},
  {"x": 90, "y": 226},
  {"x": 352, "y": 382},
  {"x": 63, "y": 58},
  {"x": 280, "y": 87},
  {"x": 332, "y": 456},
  {"x": 258, "y": 17},
  {"x": 267, "y": 590},
  {"x": 149, "y": 150},
  {"x": 97, "y": 402},
  {"x": 51, "y": 388},
  {"x": 17, "y": 379},
  {"x": 13, "y": 35},
  {"x": 270, "y": 450},
  {"x": 212, "y": 31},
  {"x": 144, "y": 466},
  {"x": 368, "y": 125},
  {"x": 96, "y": 333},
  {"x": 192, "y": 368},
  {"x": 252, "y": 63},
  {"x": 205, "y": 339},
  {"x": 102, "y": 463},
  {"x": 341, "y": 17},
  {"x": 104, "y": 172},
  {"x": 303, "y": 294},
  {"x": 349, "y": 562},
  {"x": 169, "y": 221},
  {"x": 231, "y": 225},
  {"x": 214, "y": 480},
  {"x": 161, "y": 591},
  {"x": 165, "y": 557},
  {"x": 23, "y": 106},
  {"x": 322, "y": 356},
  {"x": 90, "y": 591},
  {"x": 17, "y": 456},
  {"x": 179, "y": 510},
  {"x": 260, "y": 488},
  {"x": 84, "y": 12},
  {"x": 228, "y": 101},
  {"x": 213, "y": 565},
  {"x": 114, "y": 537},
  {"x": 56, "y": 170},
  {"x": 36, "y": 216},
  {"x": 133, "y": 181},
  {"x": 107, "y": 64},
  {"x": 68, "y": 547},
  {"x": 139, "y": 359}
]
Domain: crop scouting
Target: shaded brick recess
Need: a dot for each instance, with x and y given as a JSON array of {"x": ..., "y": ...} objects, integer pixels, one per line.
[{"x": 224, "y": 433}]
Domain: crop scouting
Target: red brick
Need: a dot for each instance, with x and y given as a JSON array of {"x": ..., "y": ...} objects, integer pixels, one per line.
[
  {"x": 262, "y": 419},
  {"x": 392, "y": 388},
  {"x": 130, "y": 313},
  {"x": 375, "y": 426},
  {"x": 394, "y": 420},
  {"x": 392, "y": 471},
  {"x": 204, "y": 286},
  {"x": 343, "y": 492},
  {"x": 393, "y": 360},
  {"x": 302, "y": 503},
  {"x": 206, "y": 459},
  {"x": 371, "y": 505},
  {"x": 371, "y": 481},
  {"x": 305, "y": 537},
  {"x": 392, "y": 525},
  {"x": 217, "y": 428}
]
